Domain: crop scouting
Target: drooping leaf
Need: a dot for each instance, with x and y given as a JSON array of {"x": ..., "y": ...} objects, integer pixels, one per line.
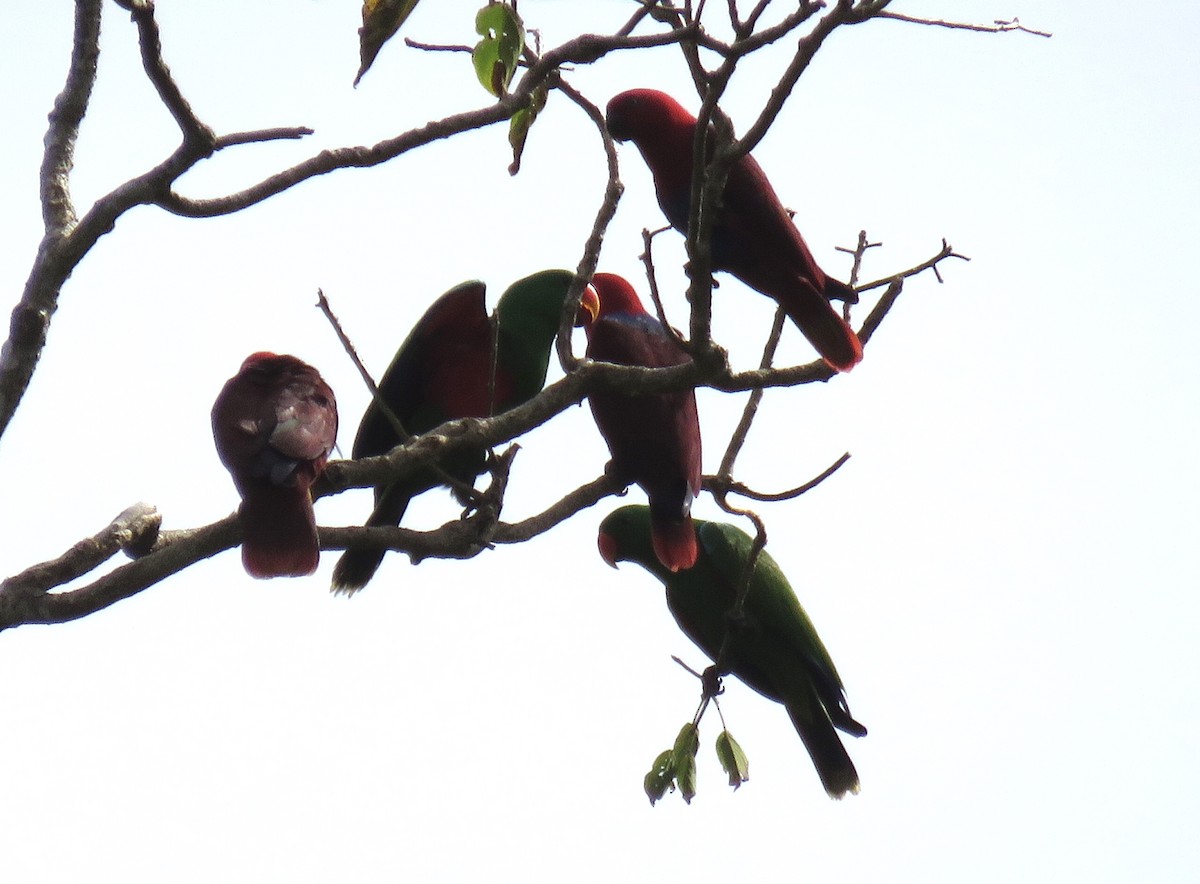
[
  {"x": 518, "y": 126},
  {"x": 496, "y": 55},
  {"x": 733, "y": 759},
  {"x": 675, "y": 768},
  {"x": 381, "y": 19},
  {"x": 687, "y": 744},
  {"x": 660, "y": 778}
]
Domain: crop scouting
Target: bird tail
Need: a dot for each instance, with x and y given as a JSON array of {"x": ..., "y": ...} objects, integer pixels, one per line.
[
  {"x": 279, "y": 532},
  {"x": 824, "y": 327},
  {"x": 356, "y": 567},
  {"x": 674, "y": 542},
  {"x": 828, "y": 755}
]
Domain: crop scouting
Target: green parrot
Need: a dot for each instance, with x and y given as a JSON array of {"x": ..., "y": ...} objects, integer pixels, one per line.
[
  {"x": 774, "y": 648},
  {"x": 458, "y": 362}
]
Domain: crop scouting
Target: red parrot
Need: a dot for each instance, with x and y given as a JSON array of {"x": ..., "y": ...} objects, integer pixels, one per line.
[
  {"x": 274, "y": 424},
  {"x": 753, "y": 236},
  {"x": 655, "y": 439}
]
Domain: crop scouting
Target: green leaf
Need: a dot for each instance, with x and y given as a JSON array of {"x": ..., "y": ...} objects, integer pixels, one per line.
[
  {"x": 518, "y": 126},
  {"x": 687, "y": 744},
  {"x": 381, "y": 19},
  {"x": 496, "y": 55},
  {"x": 675, "y": 768},
  {"x": 733, "y": 759},
  {"x": 660, "y": 778}
]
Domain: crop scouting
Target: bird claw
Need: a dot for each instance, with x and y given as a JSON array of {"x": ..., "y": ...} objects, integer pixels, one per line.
[{"x": 711, "y": 681}]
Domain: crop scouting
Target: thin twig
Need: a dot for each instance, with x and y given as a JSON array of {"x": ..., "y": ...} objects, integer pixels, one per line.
[
  {"x": 997, "y": 27},
  {"x": 351, "y": 351},
  {"x": 647, "y": 258},
  {"x": 150, "y": 42},
  {"x": 718, "y": 485},
  {"x": 738, "y": 439},
  {"x": 464, "y": 490},
  {"x": 586, "y": 268}
]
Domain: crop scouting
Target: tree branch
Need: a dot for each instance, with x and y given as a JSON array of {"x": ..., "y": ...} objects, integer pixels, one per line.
[
  {"x": 30, "y": 321},
  {"x": 581, "y": 50},
  {"x": 997, "y": 27},
  {"x": 613, "y": 189},
  {"x": 141, "y": 12},
  {"x": 27, "y": 597}
]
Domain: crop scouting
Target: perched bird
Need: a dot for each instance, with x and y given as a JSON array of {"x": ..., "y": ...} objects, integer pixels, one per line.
[
  {"x": 274, "y": 424},
  {"x": 457, "y": 362},
  {"x": 655, "y": 439},
  {"x": 774, "y": 648},
  {"x": 753, "y": 236}
]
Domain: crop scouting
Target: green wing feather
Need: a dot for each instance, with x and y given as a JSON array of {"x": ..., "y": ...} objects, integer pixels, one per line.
[
  {"x": 528, "y": 314},
  {"x": 771, "y": 602}
]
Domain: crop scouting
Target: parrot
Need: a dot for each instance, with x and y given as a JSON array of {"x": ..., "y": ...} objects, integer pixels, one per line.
[
  {"x": 654, "y": 440},
  {"x": 753, "y": 236},
  {"x": 274, "y": 424},
  {"x": 774, "y": 647},
  {"x": 445, "y": 369}
]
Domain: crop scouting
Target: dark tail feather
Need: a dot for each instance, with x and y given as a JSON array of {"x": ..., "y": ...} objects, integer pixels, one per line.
[
  {"x": 822, "y": 324},
  {"x": 828, "y": 755},
  {"x": 674, "y": 542},
  {"x": 842, "y": 721},
  {"x": 833, "y": 697},
  {"x": 356, "y": 567},
  {"x": 279, "y": 532}
]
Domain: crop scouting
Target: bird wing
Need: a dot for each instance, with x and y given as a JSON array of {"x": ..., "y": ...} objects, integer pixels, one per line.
[
  {"x": 456, "y": 322},
  {"x": 771, "y": 602}
]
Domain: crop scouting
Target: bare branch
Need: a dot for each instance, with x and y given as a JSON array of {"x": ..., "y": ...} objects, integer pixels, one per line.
[
  {"x": 647, "y": 257},
  {"x": 858, "y": 253},
  {"x": 65, "y": 119},
  {"x": 805, "y": 52},
  {"x": 278, "y": 133},
  {"x": 583, "y": 49},
  {"x": 947, "y": 251},
  {"x": 30, "y": 321},
  {"x": 719, "y": 486},
  {"x": 436, "y": 47},
  {"x": 25, "y": 598},
  {"x": 997, "y": 27},
  {"x": 580, "y": 499},
  {"x": 150, "y": 41},
  {"x": 738, "y": 439},
  {"x": 66, "y": 242},
  {"x": 613, "y": 189}
]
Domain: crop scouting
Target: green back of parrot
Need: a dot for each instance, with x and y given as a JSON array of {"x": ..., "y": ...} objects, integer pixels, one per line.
[
  {"x": 528, "y": 314},
  {"x": 771, "y": 600},
  {"x": 701, "y": 596}
]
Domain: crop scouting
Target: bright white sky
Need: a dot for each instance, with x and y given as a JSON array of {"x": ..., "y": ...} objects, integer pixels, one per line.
[{"x": 1005, "y": 572}]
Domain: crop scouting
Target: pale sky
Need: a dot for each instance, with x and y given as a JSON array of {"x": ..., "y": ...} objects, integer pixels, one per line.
[{"x": 1005, "y": 572}]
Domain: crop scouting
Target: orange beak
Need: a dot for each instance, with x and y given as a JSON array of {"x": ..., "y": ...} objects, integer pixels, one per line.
[{"x": 589, "y": 307}]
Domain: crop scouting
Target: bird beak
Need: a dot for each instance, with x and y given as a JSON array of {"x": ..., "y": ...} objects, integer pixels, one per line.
[
  {"x": 589, "y": 307},
  {"x": 608, "y": 549}
]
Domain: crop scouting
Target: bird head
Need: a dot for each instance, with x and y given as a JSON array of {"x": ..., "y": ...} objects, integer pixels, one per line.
[
  {"x": 641, "y": 113},
  {"x": 624, "y": 536},
  {"x": 616, "y": 295}
]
